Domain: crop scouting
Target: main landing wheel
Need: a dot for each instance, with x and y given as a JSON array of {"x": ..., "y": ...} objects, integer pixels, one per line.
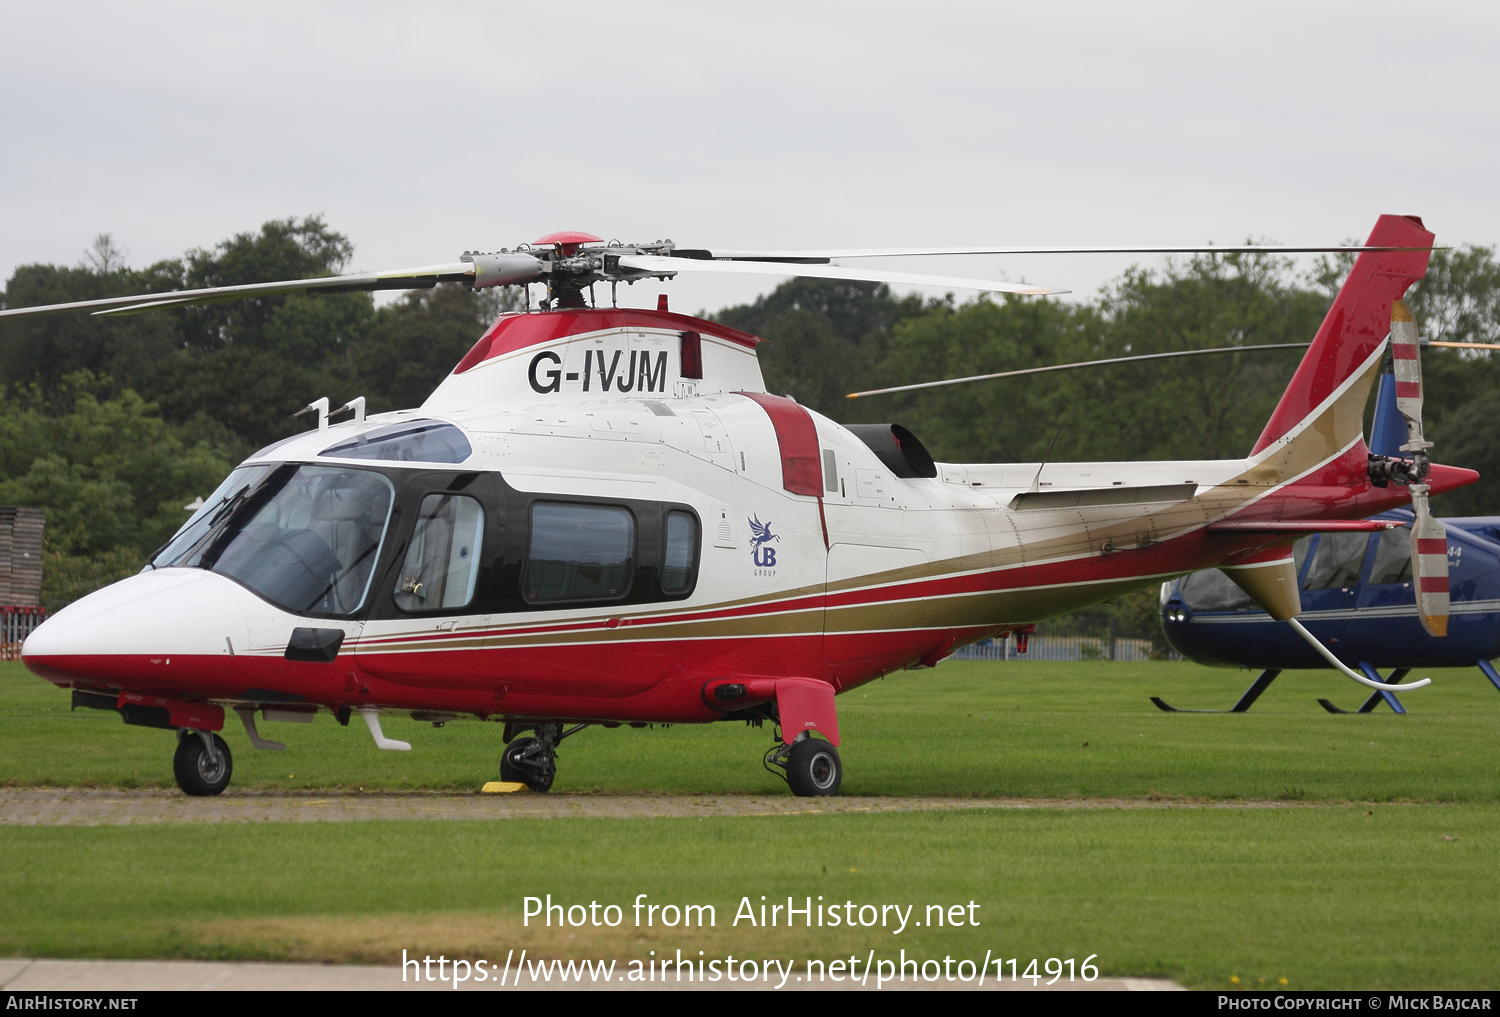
[
  {"x": 813, "y": 769},
  {"x": 199, "y": 771},
  {"x": 529, "y": 761}
]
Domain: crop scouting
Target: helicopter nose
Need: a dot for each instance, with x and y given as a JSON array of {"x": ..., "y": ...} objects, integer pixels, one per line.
[{"x": 156, "y": 613}]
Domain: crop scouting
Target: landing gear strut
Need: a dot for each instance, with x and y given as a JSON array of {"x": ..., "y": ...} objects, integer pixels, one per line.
[
  {"x": 533, "y": 761},
  {"x": 202, "y": 763},
  {"x": 811, "y": 766}
]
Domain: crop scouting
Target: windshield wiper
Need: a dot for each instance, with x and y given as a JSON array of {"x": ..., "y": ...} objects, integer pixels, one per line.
[{"x": 228, "y": 505}]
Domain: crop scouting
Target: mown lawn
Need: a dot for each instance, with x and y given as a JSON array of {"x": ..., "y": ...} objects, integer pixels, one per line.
[
  {"x": 1391, "y": 886},
  {"x": 1325, "y": 897},
  {"x": 964, "y": 728}
]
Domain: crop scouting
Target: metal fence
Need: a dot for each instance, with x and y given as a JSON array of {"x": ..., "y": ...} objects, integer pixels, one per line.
[
  {"x": 16, "y": 623},
  {"x": 1061, "y": 648}
]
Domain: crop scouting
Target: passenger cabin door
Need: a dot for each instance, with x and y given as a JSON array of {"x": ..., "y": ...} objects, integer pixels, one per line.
[{"x": 431, "y": 603}]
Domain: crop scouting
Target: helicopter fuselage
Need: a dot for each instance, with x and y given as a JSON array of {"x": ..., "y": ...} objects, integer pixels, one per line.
[{"x": 620, "y": 520}]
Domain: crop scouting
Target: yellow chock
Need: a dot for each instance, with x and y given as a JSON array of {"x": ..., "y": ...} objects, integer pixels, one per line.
[{"x": 502, "y": 787}]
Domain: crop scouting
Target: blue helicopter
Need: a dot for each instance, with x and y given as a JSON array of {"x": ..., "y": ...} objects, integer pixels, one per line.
[{"x": 1357, "y": 600}]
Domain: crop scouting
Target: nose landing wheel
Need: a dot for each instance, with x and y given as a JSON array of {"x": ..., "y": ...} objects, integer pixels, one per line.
[{"x": 202, "y": 763}]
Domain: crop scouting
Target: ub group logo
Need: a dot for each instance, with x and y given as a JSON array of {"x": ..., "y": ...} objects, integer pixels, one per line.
[{"x": 761, "y": 536}]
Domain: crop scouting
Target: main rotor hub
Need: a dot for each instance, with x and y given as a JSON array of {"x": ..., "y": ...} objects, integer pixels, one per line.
[{"x": 568, "y": 241}]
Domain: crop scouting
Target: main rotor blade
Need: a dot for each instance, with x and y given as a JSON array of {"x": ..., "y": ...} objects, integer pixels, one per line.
[
  {"x": 406, "y": 278},
  {"x": 658, "y": 265},
  {"x": 1464, "y": 346},
  {"x": 815, "y": 257},
  {"x": 1069, "y": 367}
]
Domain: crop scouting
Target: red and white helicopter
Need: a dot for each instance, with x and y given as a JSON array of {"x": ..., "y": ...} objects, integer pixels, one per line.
[{"x": 602, "y": 517}]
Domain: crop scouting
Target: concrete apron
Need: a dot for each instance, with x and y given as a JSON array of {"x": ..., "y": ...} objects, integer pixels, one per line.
[{"x": 125, "y": 976}]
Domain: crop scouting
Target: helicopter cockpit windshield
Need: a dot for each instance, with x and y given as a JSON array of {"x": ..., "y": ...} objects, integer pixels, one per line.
[{"x": 306, "y": 538}]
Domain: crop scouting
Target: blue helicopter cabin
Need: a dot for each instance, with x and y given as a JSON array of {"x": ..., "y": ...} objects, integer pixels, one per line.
[{"x": 1356, "y": 598}]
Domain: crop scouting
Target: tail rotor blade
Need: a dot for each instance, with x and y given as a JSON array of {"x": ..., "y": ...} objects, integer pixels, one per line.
[
  {"x": 1407, "y": 355},
  {"x": 1429, "y": 564},
  {"x": 1429, "y": 541}
]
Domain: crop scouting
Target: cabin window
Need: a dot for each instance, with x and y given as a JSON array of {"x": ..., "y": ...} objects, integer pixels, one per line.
[
  {"x": 1337, "y": 562},
  {"x": 411, "y": 441},
  {"x": 1392, "y": 556},
  {"x": 579, "y": 552},
  {"x": 680, "y": 560},
  {"x": 442, "y": 561}
]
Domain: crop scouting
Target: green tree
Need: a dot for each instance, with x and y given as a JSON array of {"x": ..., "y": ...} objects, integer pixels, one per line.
[
  {"x": 1192, "y": 407},
  {"x": 414, "y": 343},
  {"x": 1006, "y": 420},
  {"x": 1189, "y": 408},
  {"x": 41, "y": 351},
  {"x": 247, "y": 392},
  {"x": 283, "y": 249},
  {"x": 1459, "y": 301},
  {"x": 112, "y": 475},
  {"x": 825, "y": 340}
]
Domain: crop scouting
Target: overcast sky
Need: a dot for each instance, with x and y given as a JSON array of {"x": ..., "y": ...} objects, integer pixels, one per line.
[{"x": 424, "y": 130}]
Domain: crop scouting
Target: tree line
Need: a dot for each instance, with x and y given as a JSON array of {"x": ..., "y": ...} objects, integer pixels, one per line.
[{"x": 113, "y": 424}]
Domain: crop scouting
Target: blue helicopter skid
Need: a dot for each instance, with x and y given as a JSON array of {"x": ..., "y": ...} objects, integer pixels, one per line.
[
  {"x": 1245, "y": 701},
  {"x": 1490, "y": 673},
  {"x": 1375, "y": 699},
  {"x": 1357, "y": 600}
]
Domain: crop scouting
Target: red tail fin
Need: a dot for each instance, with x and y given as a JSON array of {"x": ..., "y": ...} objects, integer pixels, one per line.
[{"x": 1357, "y": 323}]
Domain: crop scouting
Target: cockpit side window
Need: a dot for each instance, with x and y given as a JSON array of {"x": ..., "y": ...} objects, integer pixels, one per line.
[
  {"x": 1392, "y": 556},
  {"x": 442, "y": 560},
  {"x": 1337, "y": 562},
  {"x": 1299, "y": 553}
]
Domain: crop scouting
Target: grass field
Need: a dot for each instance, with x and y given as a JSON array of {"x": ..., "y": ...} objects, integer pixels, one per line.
[
  {"x": 964, "y": 728},
  {"x": 1376, "y": 868}
]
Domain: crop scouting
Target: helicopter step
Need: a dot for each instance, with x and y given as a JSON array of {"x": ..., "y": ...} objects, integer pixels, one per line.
[
  {"x": 1245, "y": 702},
  {"x": 1376, "y": 698}
]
